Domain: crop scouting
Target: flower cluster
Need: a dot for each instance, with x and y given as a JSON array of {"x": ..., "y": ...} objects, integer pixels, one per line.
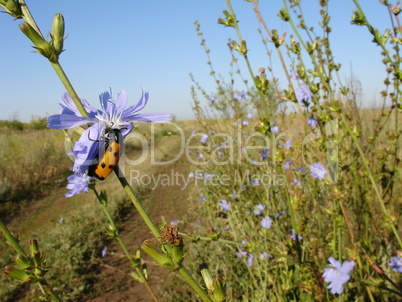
[{"x": 113, "y": 115}]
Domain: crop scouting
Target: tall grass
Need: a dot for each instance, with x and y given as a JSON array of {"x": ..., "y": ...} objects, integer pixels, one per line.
[{"x": 31, "y": 162}]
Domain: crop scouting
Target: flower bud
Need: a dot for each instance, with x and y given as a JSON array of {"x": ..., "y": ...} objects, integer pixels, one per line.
[
  {"x": 43, "y": 46},
  {"x": 33, "y": 246},
  {"x": 206, "y": 276},
  {"x": 161, "y": 258},
  {"x": 218, "y": 294},
  {"x": 16, "y": 273},
  {"x": 58, "y": 33},
  {"x": 23, "y": 261},
  {"x": 12, "y": 7}
]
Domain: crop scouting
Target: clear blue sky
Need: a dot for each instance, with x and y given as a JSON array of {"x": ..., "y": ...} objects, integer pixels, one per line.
[{"x": 153, "y": 44}]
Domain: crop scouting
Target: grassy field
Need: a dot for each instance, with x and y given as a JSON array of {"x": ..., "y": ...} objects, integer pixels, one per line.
[{"x": 71, "y": 231}]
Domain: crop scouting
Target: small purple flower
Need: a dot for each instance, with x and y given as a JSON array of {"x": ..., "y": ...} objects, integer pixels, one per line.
[
  {"x": 104, "y": 252},
  {"x": 303, "y": 93},
  {"x": 318, "y": 170},
  {"x": 204, "y": 138},
  {"x": 288, "y": 144},
  {"x": 296, "y": 182},
  {"x": 249, "y": 115},
  {"x": 255, "y": 182},
  {"x": 77, "y": 183},
  {"x": 245, "y": 123},
  {"x": 275, "y": 129},
  {"x": 61, "y": 220},
  {"x": 337, "y": 274},
  {"x": 300, "y": 169},
  {"x": 264, "y": 154},
  {"x": 265, "y": 256},
  {"x": 174, "y": 222},
  {"x": 202, "y": 198},
  {"x": 287, "y": 163},
  {"x": 224, "y": 205},
  {"x": 266, "y": 222},
  {"x": 250, "y": 259},
  {"x": 280, "y": 214},
  {"x": 234, "y": 195},
  {"x": 293, "y": 236},
  {"x": 260, "y": 208},
  {"x": 396, "y": 263},
  {"x": 241, "y": 254},
  {"x": 212, "y": 99},
  {"x": 312, "y": 122},
  {"x": 239, "y": 95}
]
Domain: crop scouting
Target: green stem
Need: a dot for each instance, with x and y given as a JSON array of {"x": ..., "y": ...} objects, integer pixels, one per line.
[
  {"x": 49, "y": 290},
  {"x": 135, "y": 202},
  {"x": 211, "y": 239},
  {"x": 56, "y": 65},
  {"x": 122, "y": 244},
  {"x": 190, "y": 280},
  {"x": 182, "y": 270},
  {"x": 11, "y": 239},
  {"x": 261, "y": 95},
  {"x": 16, "y": 246},
  {"x": 69, "y": 87}
]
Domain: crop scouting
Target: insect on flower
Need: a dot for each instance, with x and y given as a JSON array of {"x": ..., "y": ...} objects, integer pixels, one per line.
[{"x": 109, "y": 156}]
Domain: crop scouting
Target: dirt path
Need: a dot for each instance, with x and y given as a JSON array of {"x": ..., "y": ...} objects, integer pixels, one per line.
[{"x": 163, "y": 202}]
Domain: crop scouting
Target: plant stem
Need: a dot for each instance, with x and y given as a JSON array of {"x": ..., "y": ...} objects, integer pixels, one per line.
[
  {"x": 122, "y": 244},
  {"x": 11, "y": 239},
  {"x": 190, "y": 280},
  {"x": 69, "y": 87},
  {"x": 135, "y": 202},
  {"x": 182, "y": 270},
  {"x": 49, "y": 290},
  {"x": 16, "y": 246}
]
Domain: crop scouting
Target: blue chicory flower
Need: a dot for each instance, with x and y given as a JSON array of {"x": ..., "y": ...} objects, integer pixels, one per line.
[
  {"x": 337, "y": 274},
  {"x": 241, "y": 254},
  {"x": 77, "y": 183},
  {"x": 287, "y": 163},
  {"x": 293, "y": 236},
  {"x": 280, "y": 214},
  {"x": 266, "y": 222},
  {"x": 204, "y": 138},
  {"x": 396, "y": 263},
  {"x": 265, "y": 256},
  {"x": 318, "y": 170},
  {"x": 264, "y": 154},
  {"x": 296, "y": 182},
  {"x": 275, "y": 129},
  {"x": 312, "y": 122},
  {"x": 224, "y": 205},
  {"x": 113, "y": 115},
  {"x": 288, "y": 144},
  {"x": 239, "y": 95},
  {"x": 260, "y": 208},
  {"x": 303, "y": 93},
  {"x": 104, "y": 252},
  {"x": 250, "y": 259}
]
